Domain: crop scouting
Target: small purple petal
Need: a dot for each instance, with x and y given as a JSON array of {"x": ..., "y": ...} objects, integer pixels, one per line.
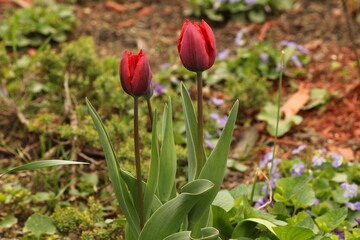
[
  {"x": 209, "y": 144},
  {"x": 298, "y": 149},
  {"x": 297, "y": 169},
  {"x": 353, "y": 206},
  {"x": 165, "y": 65},
  {"x": 316, "y": 202},
  {"x": 208, "y": 135},
  {"x": 318, "y": 161},
  {"x": 261, "y": 202},
  {"x": 288, "y": 43},
  {"x": 223, "y": 54},
  {"x": 296, "y": 60},
  {"x": 339, "y": 233},
  {"x": 351, "y": 190},
  {"x": 338, "y": 160},
  {"x": 218, "y": 101},
  {"x": 322, "y": 150},
  {"x": 174, "y": 80},
  {"x": 239, "y": 41},
  {"x": 215, "y": 116},
  {"x": 223, "y": 121},
  {"x": 250, "y": 2},
  {"x": 302, "y": 49},
  {"x": 357, "y": 220},
  {"x": 264, "y": 57}
]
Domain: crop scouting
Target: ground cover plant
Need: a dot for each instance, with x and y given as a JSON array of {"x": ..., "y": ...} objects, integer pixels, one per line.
[
  {"x": 292, "y": 191},
  {"x": 254, "y": 10}
]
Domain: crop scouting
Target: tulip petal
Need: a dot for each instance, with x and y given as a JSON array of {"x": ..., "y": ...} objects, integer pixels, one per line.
[
  {"x": 193, "y": 52},
  {"x": 209, "y": 40},
  {"x": 141, "y": 79},
  {"x": 125, "y": 73}
]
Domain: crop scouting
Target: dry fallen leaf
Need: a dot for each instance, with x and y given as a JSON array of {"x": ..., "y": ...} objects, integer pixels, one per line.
[
  {"x": 347, "y": 152},
  {"x": 146, "y": 11},
  {"x": 127, "y": 23},
  {"x": 297, "y": 101},
  {"x": 115, "y": 6}
]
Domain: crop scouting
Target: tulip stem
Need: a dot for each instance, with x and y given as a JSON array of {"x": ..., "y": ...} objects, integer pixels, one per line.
[
  {"x": 150, "y": 112},
  {"x": 137, "y": 161},
  {"x": 200, "y": 123}
]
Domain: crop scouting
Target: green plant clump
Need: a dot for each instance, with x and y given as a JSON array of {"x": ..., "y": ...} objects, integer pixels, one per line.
[
  {"x": 254, "y": 10},
  {"x": 30, "y": 26}
]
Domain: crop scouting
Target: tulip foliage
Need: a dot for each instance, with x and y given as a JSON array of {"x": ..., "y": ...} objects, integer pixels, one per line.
[
  {"x": 155, "y": 210},
  {"x": 166, "y": 210}
]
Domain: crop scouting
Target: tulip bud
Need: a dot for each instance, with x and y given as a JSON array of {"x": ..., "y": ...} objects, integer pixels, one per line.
[
  {"x": 135, "y": 73},
  {"x": 196, "y": 46}
]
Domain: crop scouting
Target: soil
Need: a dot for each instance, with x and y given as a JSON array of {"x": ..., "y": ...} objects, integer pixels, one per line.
[{"x": 320, "y": 26}]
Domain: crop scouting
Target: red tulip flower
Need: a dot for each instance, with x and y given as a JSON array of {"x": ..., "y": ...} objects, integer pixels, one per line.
[
  {"x": 135, "y": 73},
  {"x": 196, "y": 46}
]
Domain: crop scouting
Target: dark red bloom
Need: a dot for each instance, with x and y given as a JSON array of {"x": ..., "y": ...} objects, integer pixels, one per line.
[
  {"x": 196, "y": 46},
  {"x": 135, "y": 73}
]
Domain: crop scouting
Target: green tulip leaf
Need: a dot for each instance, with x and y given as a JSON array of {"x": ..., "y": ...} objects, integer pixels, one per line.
[
  {"x": 208, "y": 233},
  {"x": 266, "y": 223},
  {"x": 191, "y": 132},
  {"x": 167, "y": 157},
  {"x": 179, "y": 236},
  {"x": 169, "y": 217},
  {"x": 215, "y": 167},
  {"x": 41, "y": 164},
  {"x": 118, "y": 183},
  {"x": 293, "y": 233},
  {"x": 224, "y": 200},
  {"x": 154, "y": 170}
]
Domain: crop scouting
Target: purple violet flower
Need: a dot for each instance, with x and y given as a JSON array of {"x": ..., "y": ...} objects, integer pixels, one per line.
[
  {"x": 264, "y": 57},
  {"x": 220, "y": 121},
  {"x": 278, "y": 66},
  {"x": 297, "y": 169},
  {"x": 322, "y": 150},
  {"x": 223, "y": 121},
  {"x": 208, "y": 135},
  {"x": 209, "y": 144},
  {"x": 217, "y": 101},
  {"x": 318, "y": 160},
  {"x": 302, "y": 49},
  {"x": 266, "y": 185},
  {"x": 351, "y": 190},
  {"x": 296, "y": 60},
  {"x": 174, "y": 80},
  {"x": 165, "y": 65},
  {"x": 357, "y": 220},
  {"x": 250, "y": 2},
  {"x": 338, "y": 160},
  {"x": 223, "y": 54},
  {"x": 353, "y": 206},
  {"x": 339, "y": 233},
  {"x": 316, "y": 202},
  {"x": 288, "y": 43},
  {"x": 261, "y": 202},
  {"x": 239, "y": 41},
  {"x": 218, "y": 131},
  {"x": 158, "y": 88},
  {"x": 215, "y": 116},
  {"x": 298, "y": 149},
  {"x": 267, "y": 158}
]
